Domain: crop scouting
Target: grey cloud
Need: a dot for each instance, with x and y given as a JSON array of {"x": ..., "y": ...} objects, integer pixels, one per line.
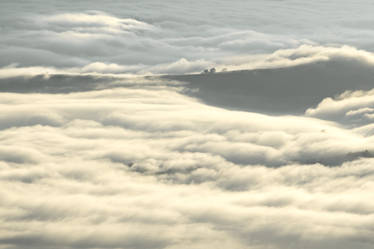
[
  {"x": 19, "y": 155},
  {"x": 290, "y": 90},
  {"x": 270, "y": 90},
  {"x": 155, "y": 35},
  {"x": 65, "y": 82},
  {"x": 122, "y": 241}
]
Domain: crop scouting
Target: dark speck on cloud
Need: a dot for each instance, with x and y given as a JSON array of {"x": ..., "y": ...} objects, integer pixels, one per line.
[{"x": 186, "y": 124}]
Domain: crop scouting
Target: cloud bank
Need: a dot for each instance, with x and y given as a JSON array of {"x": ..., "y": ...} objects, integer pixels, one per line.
[
  {"x": 147, "y": 167},
  {"x": 173, "y": 38}
]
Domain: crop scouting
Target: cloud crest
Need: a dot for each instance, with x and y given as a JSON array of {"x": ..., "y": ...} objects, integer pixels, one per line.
[{"x": 284, "y": 58}]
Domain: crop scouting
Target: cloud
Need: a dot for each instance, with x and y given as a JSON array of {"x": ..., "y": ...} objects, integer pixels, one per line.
[
  {"x": 137, "y": 167},
  {"x": 304, "y": 54},
  {"x": 283, "y": 58},
  {"x": 93, "y": 156},
  {"x": 352, "y": 108},
  {"x": 156, "y": 36},
  {"x": 86, "y": 21},
  {"x": 100, "y": 67},
  {"x": 180, "y": 67}
]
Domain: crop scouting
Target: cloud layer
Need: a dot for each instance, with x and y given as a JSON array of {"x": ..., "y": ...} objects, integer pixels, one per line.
[
  {"x": 93, "y": 156},
  {"x": 174, "y": 37},
  {"x": 146, "y": 167}
]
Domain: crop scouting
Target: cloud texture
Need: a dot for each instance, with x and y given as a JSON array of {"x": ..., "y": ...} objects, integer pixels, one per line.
[
  {"x": 146, "y": 167},
  {"x": 94, "y": 156},
  {"x": 171, "y": 37}
]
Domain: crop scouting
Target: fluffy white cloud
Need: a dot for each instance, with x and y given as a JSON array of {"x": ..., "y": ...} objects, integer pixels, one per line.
[
  {"x": 143, "y": 167},
  {"x": 92, "y": 156}
]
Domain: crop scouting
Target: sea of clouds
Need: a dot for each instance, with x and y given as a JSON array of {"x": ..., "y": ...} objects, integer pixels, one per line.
[
  {"x": 172, "y": 37},
  {"x": 92, "y": 155},
  {"x": 147, "y": 167}
]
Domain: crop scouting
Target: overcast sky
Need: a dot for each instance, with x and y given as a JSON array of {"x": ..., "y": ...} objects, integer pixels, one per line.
[{"x": 277, "y": 155}]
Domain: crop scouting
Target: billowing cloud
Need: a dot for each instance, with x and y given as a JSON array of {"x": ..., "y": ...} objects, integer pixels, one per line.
[
  {"x": 94, "y": 154},
  {"x": 351, "y": 108},
  {"x": 146, "y": 167}
]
